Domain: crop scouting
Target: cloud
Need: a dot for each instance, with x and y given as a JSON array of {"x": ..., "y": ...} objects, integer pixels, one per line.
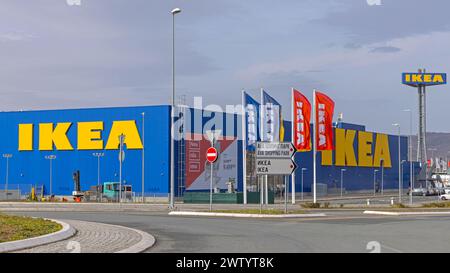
[
  {"x": 385, "y": 49},
  {"x": 15, "y": 36},
  {"x": 363, "y": 24}
]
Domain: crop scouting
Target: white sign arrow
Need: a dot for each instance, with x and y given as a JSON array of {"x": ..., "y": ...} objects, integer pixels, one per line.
[
  {"x": 281, "y": 166},
  {"x": 274, "y": 150}
]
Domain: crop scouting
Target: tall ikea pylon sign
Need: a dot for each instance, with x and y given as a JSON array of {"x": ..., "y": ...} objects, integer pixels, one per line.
[{"x": 421, "y": 80}]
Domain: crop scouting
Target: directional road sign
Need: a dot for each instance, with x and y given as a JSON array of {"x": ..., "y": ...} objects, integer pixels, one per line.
[
  {"x": 274, "y": 158},
  {"x": 274, "y": 150},
  {"x": 283, "y": 166}
]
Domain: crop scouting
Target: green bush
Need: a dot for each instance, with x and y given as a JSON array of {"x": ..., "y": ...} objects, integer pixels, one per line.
[
  {"x": 437, "y": 205},
  {"x": 399, "y": 206},
  {"x": 310, "y": 205}
]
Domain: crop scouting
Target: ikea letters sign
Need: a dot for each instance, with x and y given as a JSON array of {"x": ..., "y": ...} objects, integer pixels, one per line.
[
  {"x": 372, "y": 150},
  {"x": 89, "y": 136},
  {"x": 424, "y": 78}
]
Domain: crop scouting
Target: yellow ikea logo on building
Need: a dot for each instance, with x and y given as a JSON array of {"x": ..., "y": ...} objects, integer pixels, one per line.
[
  {"x": 416, "y": 79},
  {"x": 89, "y": 136},
  {"x": 345, "y": 154}
]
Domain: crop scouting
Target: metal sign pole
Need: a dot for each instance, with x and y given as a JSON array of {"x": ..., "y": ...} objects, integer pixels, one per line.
[
  {"x": 51, "y": 182},
  {"x": 210, "y": 187},
  {"x": 266, "y": 190},
  {"x": 121, "y": 139},
  {"x": 286, "y": 184},
  {"x": 260, "y": 178},
  {"x": 7, "y": 173}
]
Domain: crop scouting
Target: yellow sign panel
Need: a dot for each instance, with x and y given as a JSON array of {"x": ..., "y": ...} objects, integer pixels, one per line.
[
  {"x": 345, "y": 154},
  {"x": 89, "y": 136},
  {"x": 415, "y": 79}
]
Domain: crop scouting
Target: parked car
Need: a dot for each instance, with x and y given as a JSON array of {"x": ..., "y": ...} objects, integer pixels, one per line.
[
  {"x": 445, "y": 196},
  {"x": 419, "y": 192}
]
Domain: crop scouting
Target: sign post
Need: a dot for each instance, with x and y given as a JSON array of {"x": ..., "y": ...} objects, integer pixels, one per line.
[
  {"x": 421, "y": 80},
  {"x": 121, "y": 158},
  {"x": 211, "y": 156},
  {"x": 275, "y": 158}
]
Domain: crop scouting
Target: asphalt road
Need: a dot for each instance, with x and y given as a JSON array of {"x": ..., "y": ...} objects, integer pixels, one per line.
[{"x": 338, "y": 232}]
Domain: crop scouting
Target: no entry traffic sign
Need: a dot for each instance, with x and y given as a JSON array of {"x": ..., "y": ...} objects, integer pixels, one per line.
[{"x": 211, "y": 155}]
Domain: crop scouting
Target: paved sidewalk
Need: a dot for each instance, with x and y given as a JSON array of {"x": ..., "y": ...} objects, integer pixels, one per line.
[{"x": 97, "y": 238}]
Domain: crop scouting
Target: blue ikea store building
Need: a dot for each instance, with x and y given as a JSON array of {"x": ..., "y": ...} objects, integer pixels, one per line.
[{"x": 74, "y": 135}]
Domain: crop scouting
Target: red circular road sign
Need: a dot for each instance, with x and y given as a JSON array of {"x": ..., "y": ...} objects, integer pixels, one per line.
[{"x": 211, "y": 154}]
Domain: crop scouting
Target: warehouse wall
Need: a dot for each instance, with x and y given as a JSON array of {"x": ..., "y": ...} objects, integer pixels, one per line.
[{"x": 31, "y": 167}]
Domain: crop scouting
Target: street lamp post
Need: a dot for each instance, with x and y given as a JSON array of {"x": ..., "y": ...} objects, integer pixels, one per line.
[
  {"x": 7, "y": 156},
  {"x": 51, "y": 158},
  {"x": 374, "y": 181},
  {"x": 143, "y": 156},
  {"x": 172, "y": 115},
  {"x": 411, "y": 173},
  {"x": 382, "y": 177},
  {"x": 402, "y": 170},
  {"x": 399, "y": 165},
  {"x": 342, "y": 180},
  {"x": 98, "y": 155},
  {"x": 303, "y": 169},
  {"x": 121, "y": 158}
]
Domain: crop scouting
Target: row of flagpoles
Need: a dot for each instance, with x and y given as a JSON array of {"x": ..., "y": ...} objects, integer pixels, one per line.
[{"x": 264, "y": 122}]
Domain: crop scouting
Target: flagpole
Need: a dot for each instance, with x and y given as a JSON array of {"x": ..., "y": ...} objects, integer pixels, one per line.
[
  {"x": 292, "y": 140},
  {"x": 263, "y": 177},
  {"x": 244, "y": 149},
  {"x": 314, "y": 147},
  {"x": 266, "y": 177}
]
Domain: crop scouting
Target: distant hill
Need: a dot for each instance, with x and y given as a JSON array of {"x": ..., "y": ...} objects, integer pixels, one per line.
[{"x": 439, "y": 141}]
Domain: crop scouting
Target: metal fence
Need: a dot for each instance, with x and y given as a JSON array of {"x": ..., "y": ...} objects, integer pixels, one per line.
[{"x": 14, "y": 192}]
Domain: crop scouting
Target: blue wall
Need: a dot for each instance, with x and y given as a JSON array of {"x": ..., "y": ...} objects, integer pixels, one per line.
[
  {"x": 31, "y": 167},
  {"x": 355, "y": 178}
]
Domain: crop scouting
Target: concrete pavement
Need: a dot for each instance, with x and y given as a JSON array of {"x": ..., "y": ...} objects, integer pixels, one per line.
[
  {"x": 94, "y": 237},
  {"x": 340, "y": 231}
]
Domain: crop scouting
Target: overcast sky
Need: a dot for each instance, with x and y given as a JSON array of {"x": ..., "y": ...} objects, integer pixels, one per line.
[{"x": 118, "y": 53}]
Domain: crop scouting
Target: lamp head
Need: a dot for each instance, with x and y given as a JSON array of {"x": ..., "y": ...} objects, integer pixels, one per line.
[{"x": 175, "y": 11}]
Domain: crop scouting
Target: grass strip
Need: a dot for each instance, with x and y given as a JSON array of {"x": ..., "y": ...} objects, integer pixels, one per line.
[{"x": 14, "y": 228}]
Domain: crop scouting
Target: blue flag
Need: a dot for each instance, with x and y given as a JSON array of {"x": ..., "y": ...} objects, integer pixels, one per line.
[
  {"x": 271, "y": 119},
  {"x": 251, "y": 121}
]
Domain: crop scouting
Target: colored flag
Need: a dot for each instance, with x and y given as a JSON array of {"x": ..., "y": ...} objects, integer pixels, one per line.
[
  {"x": 324, "y": 122},
  {"x": 251, "y": 122},
  {"x": 301, "y": 119},
  {"x": 271, "y": 118}
]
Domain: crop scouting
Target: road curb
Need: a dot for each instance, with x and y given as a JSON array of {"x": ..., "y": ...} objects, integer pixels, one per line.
[
  {"x": 66, "y": 232},
  {"x": 146, "y": 242},
  {"x": 244, "y": 215},
  {"x": 407, "y": 213}
]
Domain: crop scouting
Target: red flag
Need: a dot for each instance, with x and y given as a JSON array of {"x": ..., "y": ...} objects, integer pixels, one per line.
[
  {"x": 324, "y": 122},
  {"x": 302, "y": 116}
]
